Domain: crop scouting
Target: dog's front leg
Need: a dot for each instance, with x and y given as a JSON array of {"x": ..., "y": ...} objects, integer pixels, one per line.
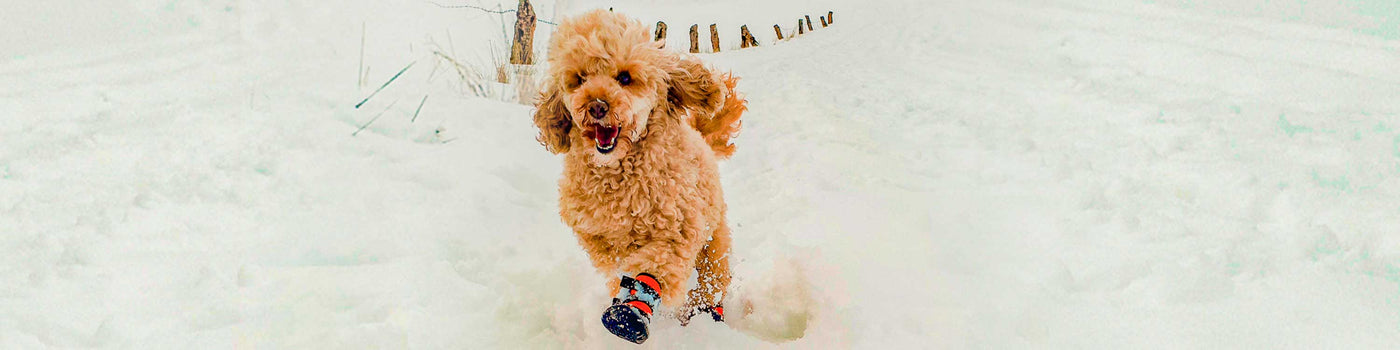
[
  {"x": 652, "y": 275},
  {"x": 670, "y": 262}
]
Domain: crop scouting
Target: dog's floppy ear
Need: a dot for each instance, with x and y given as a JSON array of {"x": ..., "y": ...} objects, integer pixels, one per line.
[
  {"x": 694, "y": 87},
  {"x": 552, "y": 117}
]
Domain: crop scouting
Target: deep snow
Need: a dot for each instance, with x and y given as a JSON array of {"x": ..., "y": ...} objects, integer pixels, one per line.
[{"x": 950, "y": 174}]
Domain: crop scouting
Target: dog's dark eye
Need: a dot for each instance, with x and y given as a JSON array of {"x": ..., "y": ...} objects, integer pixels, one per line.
[
  {"x": 624, "y": 78},
  {"x": 573, "y": 81}
]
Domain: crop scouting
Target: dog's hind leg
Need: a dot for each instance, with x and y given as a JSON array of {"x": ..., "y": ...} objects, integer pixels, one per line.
[{"x": 712, "y": 266}]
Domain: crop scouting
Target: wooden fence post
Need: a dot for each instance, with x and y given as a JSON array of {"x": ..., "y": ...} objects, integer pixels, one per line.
[
  {"x": 522, "y": 49},
  {"x": 800, "y": 28},
  {"x": 695, "y": 38},
  {"x": 809, "y": 22},
  {"x": 714, "y": 38},
  {"x": 661, "y": 33},
  {"x": 746, "y": 37},
  {"x": 778, "y": 30}
]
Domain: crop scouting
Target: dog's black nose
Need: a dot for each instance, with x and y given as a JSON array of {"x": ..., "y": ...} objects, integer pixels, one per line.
[{"x": 598, "y": 109}]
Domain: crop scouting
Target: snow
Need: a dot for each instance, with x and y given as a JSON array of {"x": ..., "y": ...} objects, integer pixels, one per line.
[{"x": 953, "y": 174}]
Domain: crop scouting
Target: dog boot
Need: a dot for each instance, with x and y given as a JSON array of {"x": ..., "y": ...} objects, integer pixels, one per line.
[
  {"x": 716, "y": 312},
  {"x": 630, "y": 312}
]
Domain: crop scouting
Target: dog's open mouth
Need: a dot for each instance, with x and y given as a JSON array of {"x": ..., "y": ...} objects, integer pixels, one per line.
[{"x": 606, "y": 137}]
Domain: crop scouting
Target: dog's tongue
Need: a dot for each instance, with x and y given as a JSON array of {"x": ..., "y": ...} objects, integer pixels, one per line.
[{"x": 605, "y": 136}]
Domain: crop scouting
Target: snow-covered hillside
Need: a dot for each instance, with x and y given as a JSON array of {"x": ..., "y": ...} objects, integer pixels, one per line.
[{"x": 922, "y": 174}]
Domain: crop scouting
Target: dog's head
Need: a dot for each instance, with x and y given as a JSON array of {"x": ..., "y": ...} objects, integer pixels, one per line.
[{"x": 608, "y": 79}]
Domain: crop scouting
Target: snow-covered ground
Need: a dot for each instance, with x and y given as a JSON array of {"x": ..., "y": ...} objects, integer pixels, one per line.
[{"x": 922, "y": 174}]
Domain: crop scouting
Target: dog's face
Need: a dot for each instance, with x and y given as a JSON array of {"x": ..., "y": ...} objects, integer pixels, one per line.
[{"x": 607, "y": 81}]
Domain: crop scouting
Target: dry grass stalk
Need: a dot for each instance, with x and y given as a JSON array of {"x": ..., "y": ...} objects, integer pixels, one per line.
[
  {"x": 527, "y": 87},
  {"x": 470, "y": 77},
  {"x": 386, "y": 84}
]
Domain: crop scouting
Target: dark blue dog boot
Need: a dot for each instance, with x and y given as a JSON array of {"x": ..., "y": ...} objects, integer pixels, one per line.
[
  {"x": 630, "y": 312},
  {"x": 626, "y": 322}
]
